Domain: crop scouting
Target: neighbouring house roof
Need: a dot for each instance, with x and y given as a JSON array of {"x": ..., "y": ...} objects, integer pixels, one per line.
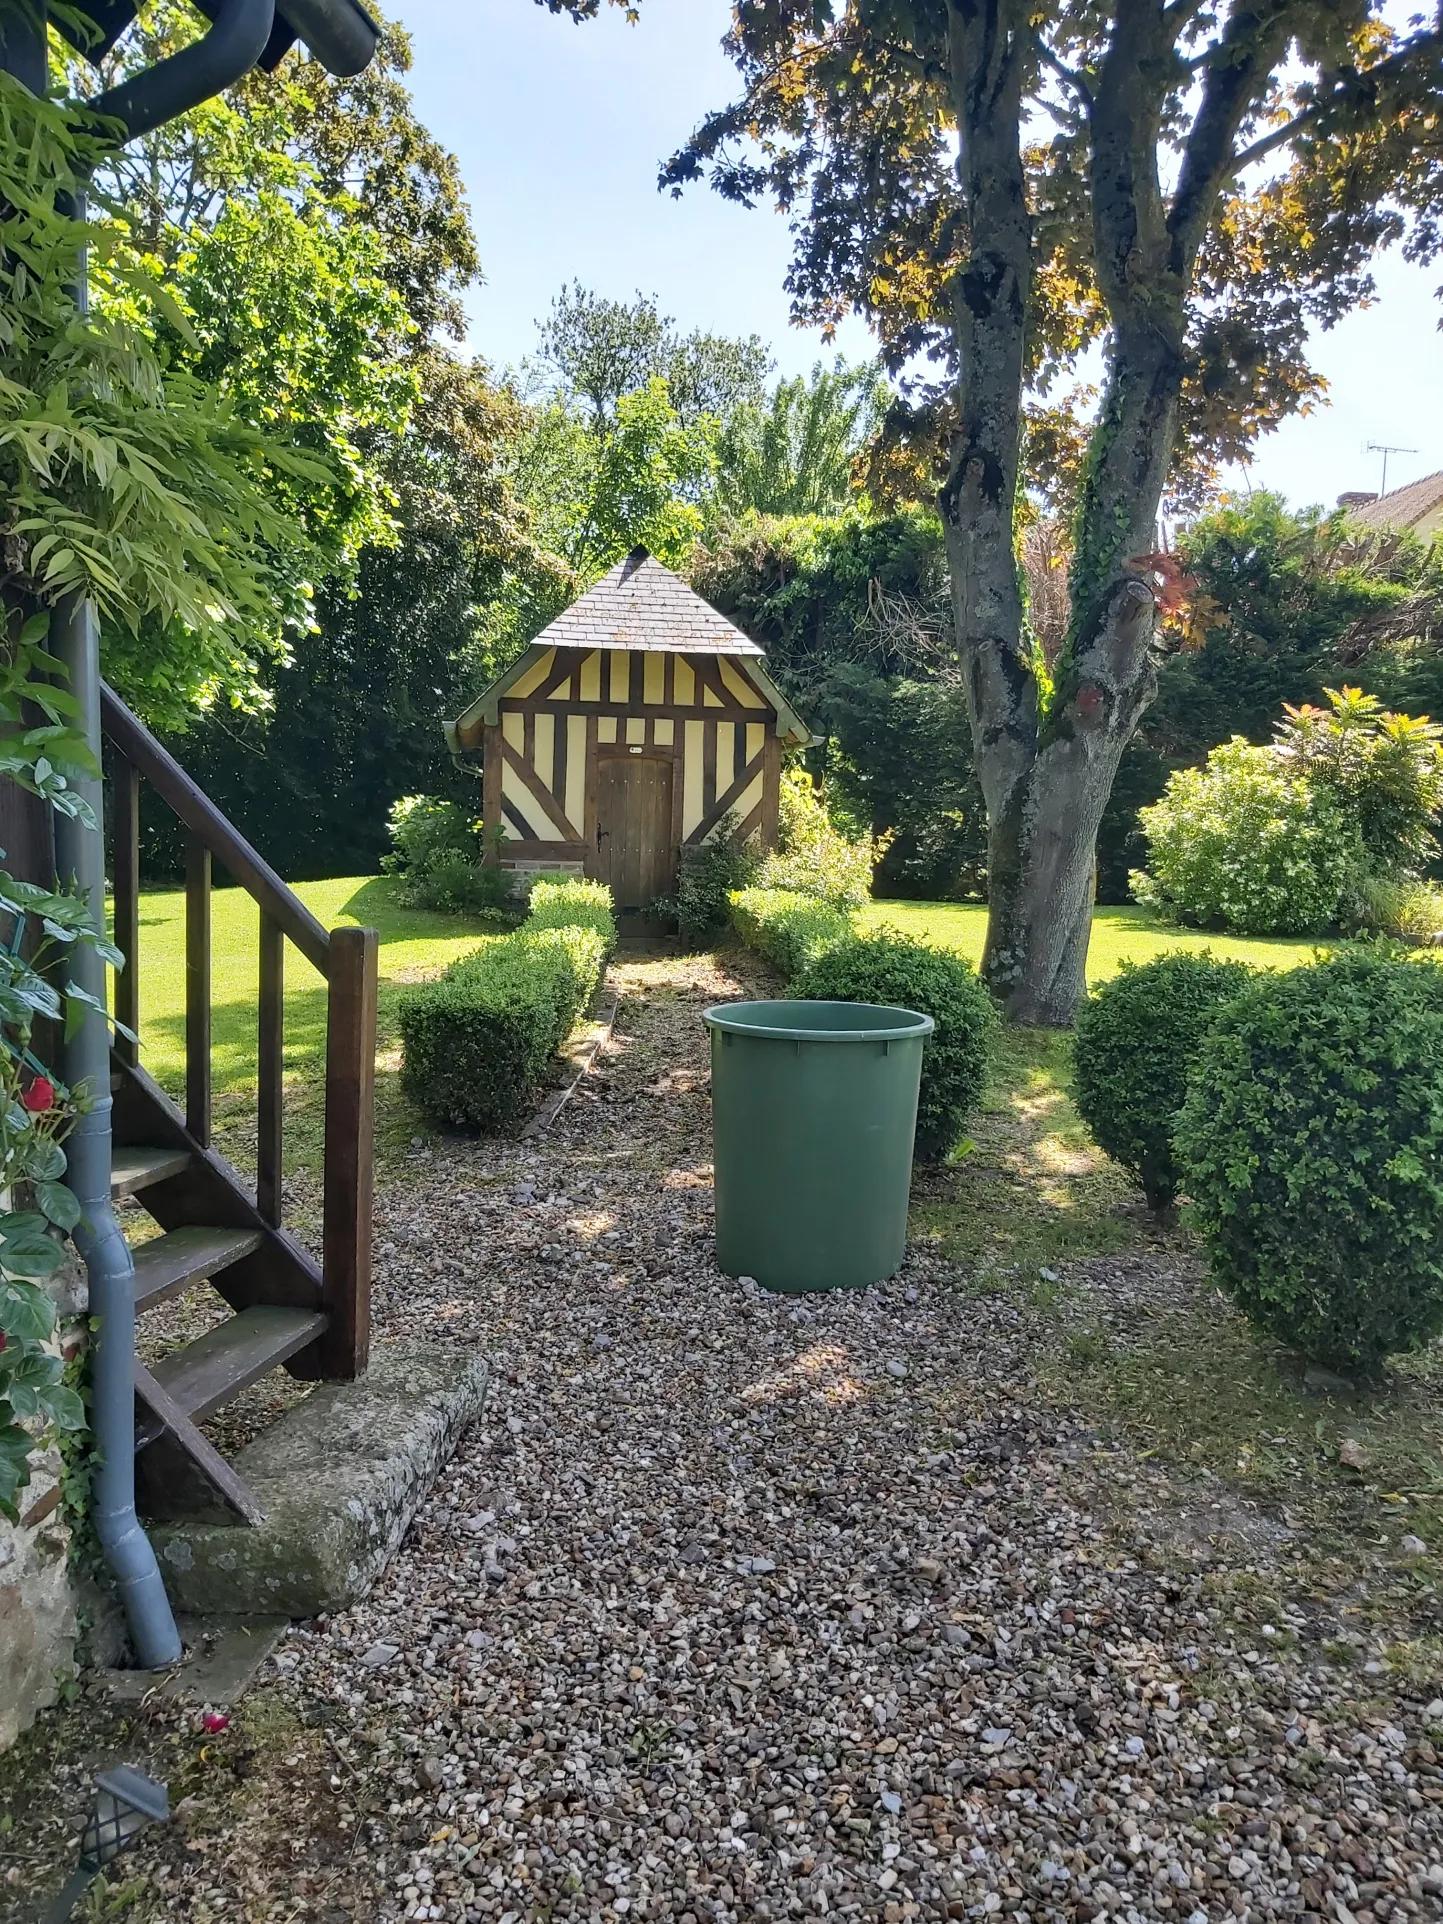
[
  {"x": 642, "y": 607},
  {"x": 1418, "y": 507}
]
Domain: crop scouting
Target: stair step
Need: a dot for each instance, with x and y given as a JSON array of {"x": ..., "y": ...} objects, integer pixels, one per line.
[
  {"x": 133, "y": 1168},
  {"x": 172, "y": 1262},
  {"x": 219, "y": 1365}
]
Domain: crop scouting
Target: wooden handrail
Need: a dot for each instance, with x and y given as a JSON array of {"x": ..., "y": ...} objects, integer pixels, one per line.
[
  {"x": 346, "y": 957},
  {"x": 205, "y": 821}
]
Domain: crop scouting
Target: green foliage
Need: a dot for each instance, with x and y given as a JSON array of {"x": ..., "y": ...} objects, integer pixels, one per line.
[
  {"x": 1384, "y": 770},
  {"x": 436, "y": 854},
  {"x": 1311, "y": 1143},
  {"x": 887, "y": 968},
  {"x": 790, "y": 929},
  {"x": 1245, "y": 842},
  {"x": 596, "y": 495},
  {"x": 1411, "y": 911},
  {"x": 474, "y": 1045},
  {"x": 1137, "y": 1038},
  {"x": 1280, "y": 597},
  {"x": 854, "y": 613},
  {"x": 125, "y": 479},
  {"x": 597, "y": 351},
  {"x": 814, "y": 856},
  {"x": 793, "y": 453},
  {"x": 573, "y": 904},
  {"x": 706, "y": 881}
]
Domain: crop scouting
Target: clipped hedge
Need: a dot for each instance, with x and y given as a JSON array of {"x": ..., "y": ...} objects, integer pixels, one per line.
[
  {"x": 790, "y": 929},
  {"x": 1311, "y": 1144},
  {"x": 475, "y": 1044},
  {"x": 1137, "y": 1038},
  {"x": 573, "y": 905},
  {"x": 894, "y": 971}
]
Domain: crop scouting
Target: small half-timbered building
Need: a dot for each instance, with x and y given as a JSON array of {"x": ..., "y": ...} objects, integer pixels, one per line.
[{"x": 630, "y": 730}]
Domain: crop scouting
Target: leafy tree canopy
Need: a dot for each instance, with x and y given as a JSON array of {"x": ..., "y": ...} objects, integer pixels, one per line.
[
  {"x": 595, "y": 351},
  {"x": 797, "y": 451}
]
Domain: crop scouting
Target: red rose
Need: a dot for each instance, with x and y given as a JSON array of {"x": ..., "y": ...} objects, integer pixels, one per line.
[{"x": 40, "y": 1096}]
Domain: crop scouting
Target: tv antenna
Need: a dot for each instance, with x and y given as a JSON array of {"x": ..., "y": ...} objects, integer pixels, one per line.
[{"x": 1379, "y": 447}]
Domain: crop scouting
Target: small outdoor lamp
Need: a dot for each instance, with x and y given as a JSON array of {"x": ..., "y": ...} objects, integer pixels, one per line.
[{"x": 126, "y": 1801}]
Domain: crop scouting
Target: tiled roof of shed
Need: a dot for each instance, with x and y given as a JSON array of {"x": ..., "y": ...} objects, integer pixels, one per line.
[{"x": 642, "y": 605}]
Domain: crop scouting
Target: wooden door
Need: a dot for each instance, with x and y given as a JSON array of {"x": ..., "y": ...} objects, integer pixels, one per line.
[{"x": 634, "y": 851}]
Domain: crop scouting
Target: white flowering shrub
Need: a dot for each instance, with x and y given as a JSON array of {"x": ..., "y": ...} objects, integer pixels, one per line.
[{"x": 1245, "y": 842}]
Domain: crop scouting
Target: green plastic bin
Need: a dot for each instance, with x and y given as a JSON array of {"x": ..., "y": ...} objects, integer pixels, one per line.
[{"x": 814, "y": 1108}]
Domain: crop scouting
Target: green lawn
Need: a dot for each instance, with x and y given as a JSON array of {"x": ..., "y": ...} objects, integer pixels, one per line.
[
  {"x": 1118, "y": 935},
  {"x": 414, "y": 943}
]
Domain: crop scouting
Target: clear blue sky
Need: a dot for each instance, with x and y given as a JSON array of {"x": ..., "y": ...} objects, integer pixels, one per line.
[{"x": 559, "y": 130}]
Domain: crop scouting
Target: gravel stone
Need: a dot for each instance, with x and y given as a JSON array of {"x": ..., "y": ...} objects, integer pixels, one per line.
[{"x": 704, "y": 1623}]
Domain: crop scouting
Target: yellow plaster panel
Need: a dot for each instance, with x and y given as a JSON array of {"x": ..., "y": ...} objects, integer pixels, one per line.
[
  {"x": 750, "y": 796},
  {"x": 685, "y": 684},
  {"x": 708, "y": 699},
  {"x": 653, "y": 677},
  {"x": 726, "y": 756},
  {"x": 756, "y": 739},
  {"x": 665, "y": 731},
  {"x": 563, "y": 692},
  {"x": 528, "y": 683},
  {"x": 636, "y": 728},
  {"x": 575, "y": 770},
  {"x": 692, "y": 809},
  {"x": 545, "y": 747},
  {"x": 606, "y": 728},
  {"x": 590, "y": 679},
  {"x": 513, "y": 727},
  {"x": 738, "y": 685},
  {"x": 515, "y": 791},
  {"x": 620, "y": 675}
]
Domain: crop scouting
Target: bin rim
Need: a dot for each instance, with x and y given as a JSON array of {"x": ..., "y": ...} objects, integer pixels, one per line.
[{"x": 731, "y": 1016}]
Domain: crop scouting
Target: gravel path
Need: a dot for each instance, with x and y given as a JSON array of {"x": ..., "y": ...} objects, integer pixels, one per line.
[
  {"x": 744, "y": 1607},
  {"x": 737, "y": 1607}
]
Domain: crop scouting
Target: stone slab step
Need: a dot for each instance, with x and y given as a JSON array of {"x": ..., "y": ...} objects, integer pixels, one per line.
[
  {"x": 340, "y": 1478},
  {"x": 168, "y": 1264}
]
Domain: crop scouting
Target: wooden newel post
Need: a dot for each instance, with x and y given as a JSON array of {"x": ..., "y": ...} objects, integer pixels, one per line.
[{"x": 350, "y": 1151}]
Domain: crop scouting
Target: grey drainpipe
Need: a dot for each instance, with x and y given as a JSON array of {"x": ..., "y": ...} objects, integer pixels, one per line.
[
  {"x": 228, "y": 51},
  {"x": 80, "y": 853}
]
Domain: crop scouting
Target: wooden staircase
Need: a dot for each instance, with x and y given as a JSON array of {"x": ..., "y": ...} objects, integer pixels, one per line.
[{"x": 287, "y": 1311}]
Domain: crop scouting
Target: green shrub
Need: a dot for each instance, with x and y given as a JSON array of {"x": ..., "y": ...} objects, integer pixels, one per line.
[
  {"x": 1137, "y": 1038},
  {"x": 1411, "y": 911},
  {"x": 573, "y": 904},
  {"x": 1245, "y": 842},
  {"x": 708, "y": 877},
  {"x": 475, "y": 1044},
  {"x": 436, "y": 853},
  {"x": 894, "y": 971},
  {"x": 814, "y": 854},
  {"x": 1311, "y": 1143},
  {"x": 1384, "y": 769},
  {"x": 788, "y": 928}
]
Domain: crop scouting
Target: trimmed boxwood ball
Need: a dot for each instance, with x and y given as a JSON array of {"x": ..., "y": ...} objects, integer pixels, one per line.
[
  {"x": 1137, "y": 1037},
  {"x": 893, "y": 971},
  {"x": 1311, "y": 1143}
]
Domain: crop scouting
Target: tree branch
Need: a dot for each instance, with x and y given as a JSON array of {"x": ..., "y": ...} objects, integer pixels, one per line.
[
  {"x": 1067, "y": 75},
  {"x": 1350, "y": 84}
]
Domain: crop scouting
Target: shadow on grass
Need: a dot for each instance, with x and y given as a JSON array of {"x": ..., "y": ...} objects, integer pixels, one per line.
[{"x": 1029, "y": 1187}]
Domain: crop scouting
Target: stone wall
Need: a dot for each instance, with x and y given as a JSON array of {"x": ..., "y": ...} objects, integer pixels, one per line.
[{"x": 39, "y": 1622}]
